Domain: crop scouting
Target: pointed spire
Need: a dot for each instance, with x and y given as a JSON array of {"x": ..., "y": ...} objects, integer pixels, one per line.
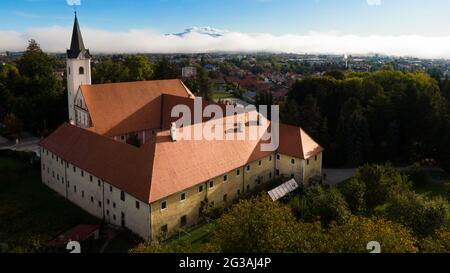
[{"x": 77, "y": 45}]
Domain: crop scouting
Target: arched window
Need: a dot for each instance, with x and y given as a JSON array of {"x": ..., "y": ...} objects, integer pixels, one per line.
[{"x": 81, "y": 70}]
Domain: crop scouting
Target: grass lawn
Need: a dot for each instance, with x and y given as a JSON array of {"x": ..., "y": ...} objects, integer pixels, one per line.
[
  {"x": 196, "y": 237},
  {"x": 221, "y": 95},
  {"x": 32, "y": 214}
]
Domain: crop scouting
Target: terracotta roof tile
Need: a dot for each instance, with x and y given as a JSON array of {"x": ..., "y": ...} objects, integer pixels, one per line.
[{"x": 120, "y": 108}]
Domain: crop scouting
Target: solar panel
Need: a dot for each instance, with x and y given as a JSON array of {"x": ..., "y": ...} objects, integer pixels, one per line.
[{"x": 283, "y": 190}]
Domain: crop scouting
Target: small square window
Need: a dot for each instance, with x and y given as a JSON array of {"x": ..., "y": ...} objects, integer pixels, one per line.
[
  {"x": 211, "y": 184},
  {"x": 183, "y": 220},
  {"x": 164, "y": 229},
  {"x": 225, "y": 178},
  {"x": 138, "y": 205},
  {"x": 200, "y": 188},
  {"x": 183, "y": 196},
  {"x": 163, "y": 205}
]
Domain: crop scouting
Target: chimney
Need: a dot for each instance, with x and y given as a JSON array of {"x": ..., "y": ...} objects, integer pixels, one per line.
[{"x": 173, "y": 132}]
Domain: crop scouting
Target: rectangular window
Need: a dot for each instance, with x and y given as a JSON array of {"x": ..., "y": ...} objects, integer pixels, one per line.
[
  {"x": 211, "y": 184},
  {"x": 307, "y": 162},
  {"x": 183, "y": 196},
  {"x": 138, "y": 205},
  {"x": 163, "y": 205},
  {"x": 292, "y": 161},
  {"x": 277, "y": 172},
  {"x": 92, "y": 199},
  {"x": 200, "y": 189},
  {"x": 82, "y": 173},
  {"x": 225, "y": 178},
  {"x": 315, "y": 158},
  {"x": 164, "y": 229},
  {"x": 99, "y": 204},
  {"x": 270, "y": 158},
  {"x": 278, "y": 157},
  {"x": 114, "y": 204},
  {"x": 90, "y": 178},
  {"x": 260, "y": 163},
  {"x": 62, "y": 181},
  {"x": 238, "y": 172},
  {"x": 110, "y": 188},
  {"x": 107, "y": 201},
  {"x": 292, "y": 176},
  {"x": 270, "y": 175},
  {"x": 239, "y": 192},
  {"x": 183, "y": 220},
  {"x": 122, "y": 195},
  {"x": 74, "y": 188},
  {"x": 248, "y": 168},
  {"x": 107, "y": 212},
  {"x": 99, "y": 183},
  {"x": 74, "y": 169}
]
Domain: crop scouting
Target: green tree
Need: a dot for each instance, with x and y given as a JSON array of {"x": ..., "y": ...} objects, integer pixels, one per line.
[
  {"x": 439, "y": 242},
  {"x": 353, "y": 236},
  {"x": 164, "y": 70},
  {"x": 139, "y": 68},
  {"x": 421, "y": 214},
  {"x": 310, "y": 116},
  {"x": 326, "y": 205},
  {"x": 256, "y": 226},
  {"x": 354, "y": 192},
  {"x": 13, "y": 125},
  {"x": 204, "y": 84}
]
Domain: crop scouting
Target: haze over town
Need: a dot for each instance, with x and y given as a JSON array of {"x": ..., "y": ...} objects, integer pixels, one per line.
[{"x": 310, "y": 26}]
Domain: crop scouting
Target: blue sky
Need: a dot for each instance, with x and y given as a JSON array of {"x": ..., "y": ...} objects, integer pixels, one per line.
[
  {"x": 410, "y": 27},
  {"x": 391, "y": 17}
]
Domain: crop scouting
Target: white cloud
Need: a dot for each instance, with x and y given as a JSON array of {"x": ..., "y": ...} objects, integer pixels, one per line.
[
  {"x": 57, "y": 39},
  {"x": 73, "y": 2},
  {"x": 373, "y": 2}
]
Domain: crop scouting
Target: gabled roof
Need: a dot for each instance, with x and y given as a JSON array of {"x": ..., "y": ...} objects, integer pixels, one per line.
[
  {"x": 297, "y": 143},
  {"x": 77, "y": 44},
  {"x": 162, "y": 167},
  {"x": 119, "y": 108}
]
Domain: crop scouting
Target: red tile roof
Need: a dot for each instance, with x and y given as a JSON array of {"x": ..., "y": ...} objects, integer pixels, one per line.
[
  {"x": 161, "y": 167},
  {"x": 120, "y": 108}
]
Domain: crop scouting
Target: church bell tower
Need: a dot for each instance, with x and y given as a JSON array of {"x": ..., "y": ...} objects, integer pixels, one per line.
[{"x": 78, "y": 68}]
